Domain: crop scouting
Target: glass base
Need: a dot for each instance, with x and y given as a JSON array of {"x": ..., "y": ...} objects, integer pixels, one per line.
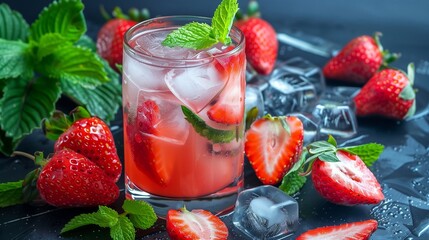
[{"x": 219, "y": 203}]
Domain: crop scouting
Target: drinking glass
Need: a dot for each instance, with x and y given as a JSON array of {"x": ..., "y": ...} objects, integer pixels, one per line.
[{"x": 183, "y": 119}]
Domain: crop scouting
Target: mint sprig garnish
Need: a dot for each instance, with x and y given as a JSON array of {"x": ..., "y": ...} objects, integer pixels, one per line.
[
  {"x": 45, "y": 60},
  {"x": 325, "y": 151},
  {"x": 201, "y": 35},
  {"x": 137, "y": 214},
  {"x": 201, "y": 127}
]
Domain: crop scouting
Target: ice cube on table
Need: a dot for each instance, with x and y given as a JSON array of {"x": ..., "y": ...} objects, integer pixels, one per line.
[
  {"x": 265, "y": 212},
  {"x": 288, "y": 92},
  {"x": 336, "y": 114},
  {"x": 195, "y": 86},
  {"x": 311, "y": 126},
  {"x": 253, "y": 99},
  {"x": 305, "y": 68}
]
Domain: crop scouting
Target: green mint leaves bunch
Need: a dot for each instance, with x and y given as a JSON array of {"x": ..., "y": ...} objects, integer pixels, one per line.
[
  {"x": 201, "y": 35},
  {"x": 43, "y": 61},
  {"x": 295, "y": 179},
  {"x": 137, "y": 214}
]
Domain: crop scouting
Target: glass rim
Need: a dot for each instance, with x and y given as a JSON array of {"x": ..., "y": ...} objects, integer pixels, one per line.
[{"x": 129, "y": 34}]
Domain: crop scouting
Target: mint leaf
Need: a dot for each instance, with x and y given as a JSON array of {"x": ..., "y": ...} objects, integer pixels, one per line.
[
  {"x": 103, "y": 101},
  {"x": 200, "y": 35},
  {"x": 369, "y": 153},
  {"x": 14, "y": 59},
  {"x": 10, "y": 193},
  {"x": 140, "y": 213},
  {"x": 104, "y": 217},
  {"x": 49, "y": 43},
  {"x": 223, "y": 19},
  {"x": 123, "y": 230},
  {"x": 292, "y": 183},
  {"x": 25, "y": 103},
  {"x": 75, "y": 64},
  {"x": 12, "y": 24},
  {"x": 64, "y": 17},
  {"x": 192, "y": 35},
  {"x": 215, "y": 135}
]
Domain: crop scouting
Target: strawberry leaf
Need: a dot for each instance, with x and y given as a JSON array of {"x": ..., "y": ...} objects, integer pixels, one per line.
[
  {"x": 411, "y": 111},
  {"x": 12, "y": 24},
  {"x": 292, "y": 183},
  {"x": 49, "y": 43},
  {"x": 332, "y": 141},
  {"x": 64, "y": 17},
  {"x": 26, "y": 103},
  {"x": 192, "y": 35},
  {"x": 222, "y": 20},
  {"x": 140, "y": 213},
  {"x": 75, "y": 64},
  {"x": 215, "y": 135},
  {"x": 10, "y": 193},
  {"x": 14, "y": 59},
  {"x": 369, "y": 153},
  {"x": 103, "y": 101},
  {"x": 123, "y": 230}
]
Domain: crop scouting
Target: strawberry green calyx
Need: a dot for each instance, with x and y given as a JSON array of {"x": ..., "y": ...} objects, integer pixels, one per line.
[
  {"x": 408, "y": 92},
  {"x": 134, "y": 14},
  {"x": 252, "y": 11},
  {"x": 54, "y": 126},
  {"x": 200, "y": 35},
  {"x": 388, "y": 57}
]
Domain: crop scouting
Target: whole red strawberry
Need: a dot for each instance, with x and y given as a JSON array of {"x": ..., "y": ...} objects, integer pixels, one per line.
[
  {"x": 358, "y": 61},
  {"x": 110, "y": 40},
  {"x": 196, "y": 224},
  {"x": 347, "y": 182},
  {"x": 69, "y": 179},
  {"x": 86, "y": 135},
  {"x": 354, "y": 230},
  {"x": 388, "y": 93},
  {"x": 273, "y": 145},
  {"x": 261, "y": 41}
]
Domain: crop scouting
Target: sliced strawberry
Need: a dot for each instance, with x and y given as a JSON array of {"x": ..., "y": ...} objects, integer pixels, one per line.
[
  {"x": 273, "y": 145},
  {"x": 347, "y": 182},
  {"x": 196, "y": 224},
  {"x": 147, "y": 153},
  {"x": 355, "y": 230},
  {"x": 229, "y": 106}
]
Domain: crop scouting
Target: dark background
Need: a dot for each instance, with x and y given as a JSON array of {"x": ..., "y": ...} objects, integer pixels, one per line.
[{"x": 405, "y": 28}]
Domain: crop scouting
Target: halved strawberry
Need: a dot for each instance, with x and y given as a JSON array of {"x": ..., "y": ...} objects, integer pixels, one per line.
[
  {"x": 355, "y": 230},
  {"x": 229, "y": 106},
  {"x": 146, "y": 151},
  {"x": 347, "y": 182},
  {"x": 196, "y": 224},
  {"x": 273, "y": 145}
]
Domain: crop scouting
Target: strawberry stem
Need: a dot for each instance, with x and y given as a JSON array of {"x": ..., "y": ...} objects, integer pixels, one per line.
[{"x": 23, "y": 154}]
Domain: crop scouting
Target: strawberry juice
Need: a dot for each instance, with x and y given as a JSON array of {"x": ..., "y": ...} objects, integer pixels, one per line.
[{"x": 183, "y": 113}]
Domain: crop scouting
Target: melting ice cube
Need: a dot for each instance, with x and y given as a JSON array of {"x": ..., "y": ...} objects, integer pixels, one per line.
[{"x": 265, "y": 212}]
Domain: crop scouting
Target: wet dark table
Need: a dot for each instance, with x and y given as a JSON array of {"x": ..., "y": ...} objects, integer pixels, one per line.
[{"x": 402, "y": 169}]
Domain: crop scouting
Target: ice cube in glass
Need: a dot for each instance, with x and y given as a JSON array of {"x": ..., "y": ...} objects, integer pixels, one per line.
[
  {"x": 288, "y": 92},
  {"x": 336, "y": 114},
  {"x": 265, "y": 212}
]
